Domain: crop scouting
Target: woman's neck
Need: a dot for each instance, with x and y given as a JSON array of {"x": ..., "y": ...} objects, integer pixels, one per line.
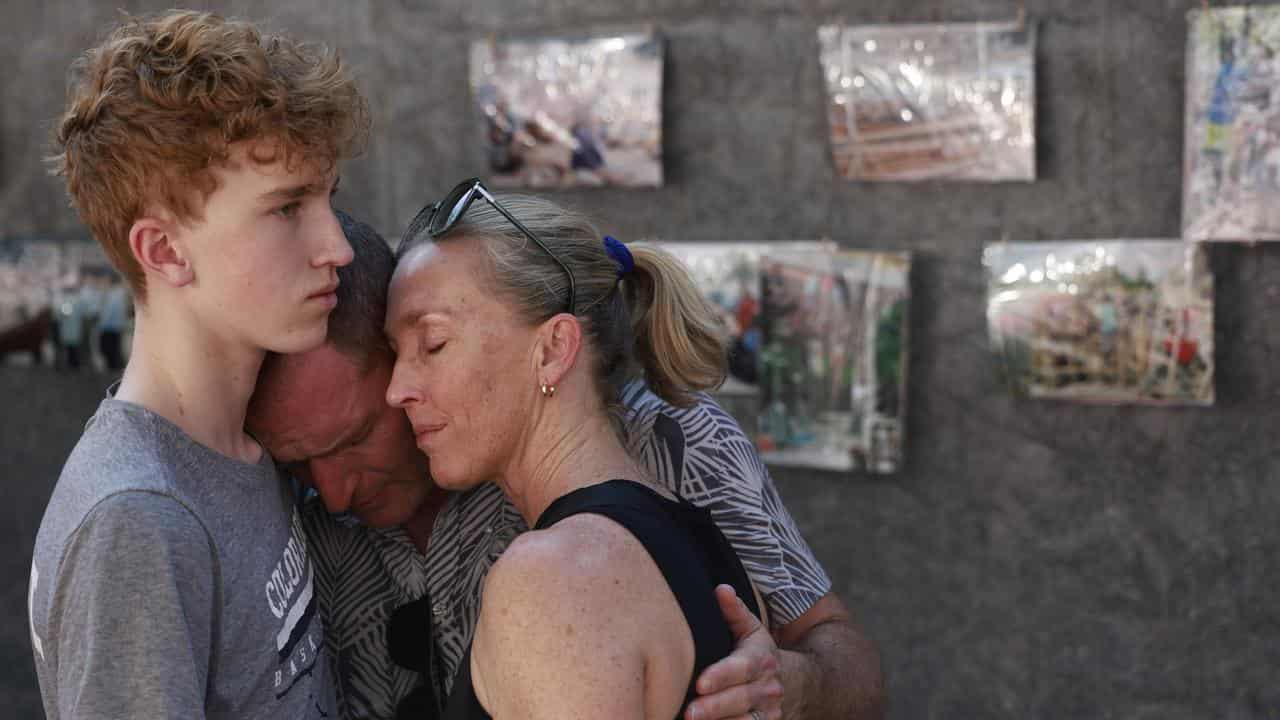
[{"x": 571, "y": 456}]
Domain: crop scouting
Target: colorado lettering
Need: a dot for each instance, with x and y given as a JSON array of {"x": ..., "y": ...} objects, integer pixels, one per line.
[{"x": 289, "y": 572}]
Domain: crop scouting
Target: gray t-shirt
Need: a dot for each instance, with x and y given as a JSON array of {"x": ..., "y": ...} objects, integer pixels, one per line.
[{"x": 170, "y": 581}]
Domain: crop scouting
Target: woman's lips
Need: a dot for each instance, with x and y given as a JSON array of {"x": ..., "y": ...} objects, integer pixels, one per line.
[{"x": 423, "y": 433}]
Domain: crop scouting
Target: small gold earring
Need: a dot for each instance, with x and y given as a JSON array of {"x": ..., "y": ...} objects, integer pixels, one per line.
[{"x": 547, "y": 390}]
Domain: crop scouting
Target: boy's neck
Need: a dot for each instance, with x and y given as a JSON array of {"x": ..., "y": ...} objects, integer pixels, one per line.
[{"x": 198, "y": 382}]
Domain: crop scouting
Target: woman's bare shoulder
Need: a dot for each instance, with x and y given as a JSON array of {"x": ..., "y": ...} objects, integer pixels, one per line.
[{"x": 558, "y": 601}]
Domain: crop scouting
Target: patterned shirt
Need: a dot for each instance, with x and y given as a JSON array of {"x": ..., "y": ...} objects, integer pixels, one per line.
[{"x": 364, "y": 574}]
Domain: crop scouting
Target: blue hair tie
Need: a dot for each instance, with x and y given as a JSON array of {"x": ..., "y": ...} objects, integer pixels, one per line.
[{"x": 620, "y": 255}]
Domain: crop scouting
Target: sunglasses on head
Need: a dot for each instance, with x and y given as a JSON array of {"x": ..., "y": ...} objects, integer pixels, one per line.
[{"x": 441, "y": 217}]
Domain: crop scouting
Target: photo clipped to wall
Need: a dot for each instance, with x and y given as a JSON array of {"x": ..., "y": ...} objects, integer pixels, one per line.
[
  {"x": 817, "y": 371},
  {"x": 1231, "y": 181},
  {"x": 833, "y": 360},
  {"x": 729, "y": 276},
  {"x": 571, "y": 112},
  {"x": 938, "y": 101},
  {"x": 1123, "y": 322}
]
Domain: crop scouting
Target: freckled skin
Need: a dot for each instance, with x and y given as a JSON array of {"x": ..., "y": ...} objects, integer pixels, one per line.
[{"x": 465, "y": 366}]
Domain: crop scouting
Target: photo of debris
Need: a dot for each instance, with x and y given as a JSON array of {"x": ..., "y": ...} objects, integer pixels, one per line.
[
  {"x": 931, "y": 101},
  {"x": 1231, "y": 179},
  {"x": 571, "y": 112},
  {"x": 1119, "y": 322}
]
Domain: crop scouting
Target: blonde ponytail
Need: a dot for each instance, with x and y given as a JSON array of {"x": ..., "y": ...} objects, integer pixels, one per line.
[{"x": 680, "y": 341}]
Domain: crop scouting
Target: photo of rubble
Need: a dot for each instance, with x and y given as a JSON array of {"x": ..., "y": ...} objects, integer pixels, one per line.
[
  {"x": 1231, "y": 179},
  {"x": 931, "y": 101},
  {"x": 571, "y": 112},
  {"x": 1117, "y": 322}
]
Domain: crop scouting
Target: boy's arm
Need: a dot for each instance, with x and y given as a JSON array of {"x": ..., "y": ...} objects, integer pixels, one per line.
[{"x": 133, "y": 610}]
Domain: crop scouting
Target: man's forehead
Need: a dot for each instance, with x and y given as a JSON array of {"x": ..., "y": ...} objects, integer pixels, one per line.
[{"x": 309, "y": 399}]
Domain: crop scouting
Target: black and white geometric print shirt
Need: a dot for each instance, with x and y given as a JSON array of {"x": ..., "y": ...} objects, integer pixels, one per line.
[{"x": 363, "y": 575}]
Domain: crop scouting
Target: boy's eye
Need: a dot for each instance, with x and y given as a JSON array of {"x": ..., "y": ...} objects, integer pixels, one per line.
[{"x": 289, "y": 210}]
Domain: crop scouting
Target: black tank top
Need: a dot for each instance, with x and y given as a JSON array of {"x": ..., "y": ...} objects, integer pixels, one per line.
[{"x": 687, "y": 547}]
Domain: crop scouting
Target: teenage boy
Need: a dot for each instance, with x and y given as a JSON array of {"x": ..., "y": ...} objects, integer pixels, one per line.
[{"x": 171, "y": 577}]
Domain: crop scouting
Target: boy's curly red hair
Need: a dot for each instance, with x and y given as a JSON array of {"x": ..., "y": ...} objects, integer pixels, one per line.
[{"x": 157, "y": 104}]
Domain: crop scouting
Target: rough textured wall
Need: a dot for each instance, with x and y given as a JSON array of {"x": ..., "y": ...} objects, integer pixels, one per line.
[{"x": 1034, "y": 559}]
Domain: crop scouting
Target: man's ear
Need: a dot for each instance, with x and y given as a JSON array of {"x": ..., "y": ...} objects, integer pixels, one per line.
[
  {"x": 153, "y": 243},
  {"x": 559, "y": 344}
]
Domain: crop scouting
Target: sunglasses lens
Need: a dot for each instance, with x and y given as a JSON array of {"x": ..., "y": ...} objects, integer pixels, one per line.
[{"x": 452, "y": 207}]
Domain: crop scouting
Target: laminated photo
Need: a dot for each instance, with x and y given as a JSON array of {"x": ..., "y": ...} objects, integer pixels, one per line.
[
  {"x": 570, "y": 112},
  {"x": 729, "y": 276},
  {"x": 949, "y": 101},
  {"x": 833, "y": 360},
  {"x": 1231, "y": 178},
  {"x": 1120, "y": 322}
]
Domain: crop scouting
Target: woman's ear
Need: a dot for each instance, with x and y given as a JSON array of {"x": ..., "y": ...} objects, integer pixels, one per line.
[
  {"x": 152, "y": 240},
  {"x": 559, "y": 344}
]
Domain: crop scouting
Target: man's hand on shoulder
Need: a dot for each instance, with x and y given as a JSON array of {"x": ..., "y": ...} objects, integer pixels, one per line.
[
  {"x": 821, "y": 666},
  {"x": 748, "y": 680}
]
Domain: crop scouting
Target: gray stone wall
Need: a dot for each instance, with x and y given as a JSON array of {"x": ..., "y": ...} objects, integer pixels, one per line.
[{"x": 1034, "y": 559}]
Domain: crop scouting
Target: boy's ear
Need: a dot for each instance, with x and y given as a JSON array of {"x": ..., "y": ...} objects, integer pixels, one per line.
[
  {"x": 559, "y": 344},
  {"x": 153, "y": 243}
]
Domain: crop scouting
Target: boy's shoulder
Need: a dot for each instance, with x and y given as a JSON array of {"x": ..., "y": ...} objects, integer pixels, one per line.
[{"x": 126, "y": 448}]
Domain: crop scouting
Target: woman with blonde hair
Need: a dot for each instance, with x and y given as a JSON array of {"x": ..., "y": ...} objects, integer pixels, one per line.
[{"x": 515, "y": 325}]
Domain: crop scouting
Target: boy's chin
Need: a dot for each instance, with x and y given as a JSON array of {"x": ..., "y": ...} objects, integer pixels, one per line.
[{"x": 300, "y": 341}]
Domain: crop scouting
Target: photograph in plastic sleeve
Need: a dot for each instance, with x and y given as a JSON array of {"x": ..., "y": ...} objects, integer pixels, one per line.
[
  {"x": 937, "y": 101},
  {"x": 1231, "y": 178},
  {"x": 571, "y": 112},
  {"x": 1123, "y": 322},
  {"x": 62, "y": 305},
  {"x": 833, "y": 359},
  {"x": 729, "y": 276}
]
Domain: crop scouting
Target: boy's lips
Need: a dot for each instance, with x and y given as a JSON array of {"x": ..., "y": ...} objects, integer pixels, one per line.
[
  {"x": 328, "y": 295},
  {"x": 329, "y": 289}
]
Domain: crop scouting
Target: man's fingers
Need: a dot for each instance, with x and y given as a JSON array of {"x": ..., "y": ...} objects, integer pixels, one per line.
[
  {"x": 747, "y": 679},
  {"x": 765, "y": 697},
  {"x": 722, "y": 675},
  {"x": 732, "y": 703},
  {"x": 741, "y": 622}
]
